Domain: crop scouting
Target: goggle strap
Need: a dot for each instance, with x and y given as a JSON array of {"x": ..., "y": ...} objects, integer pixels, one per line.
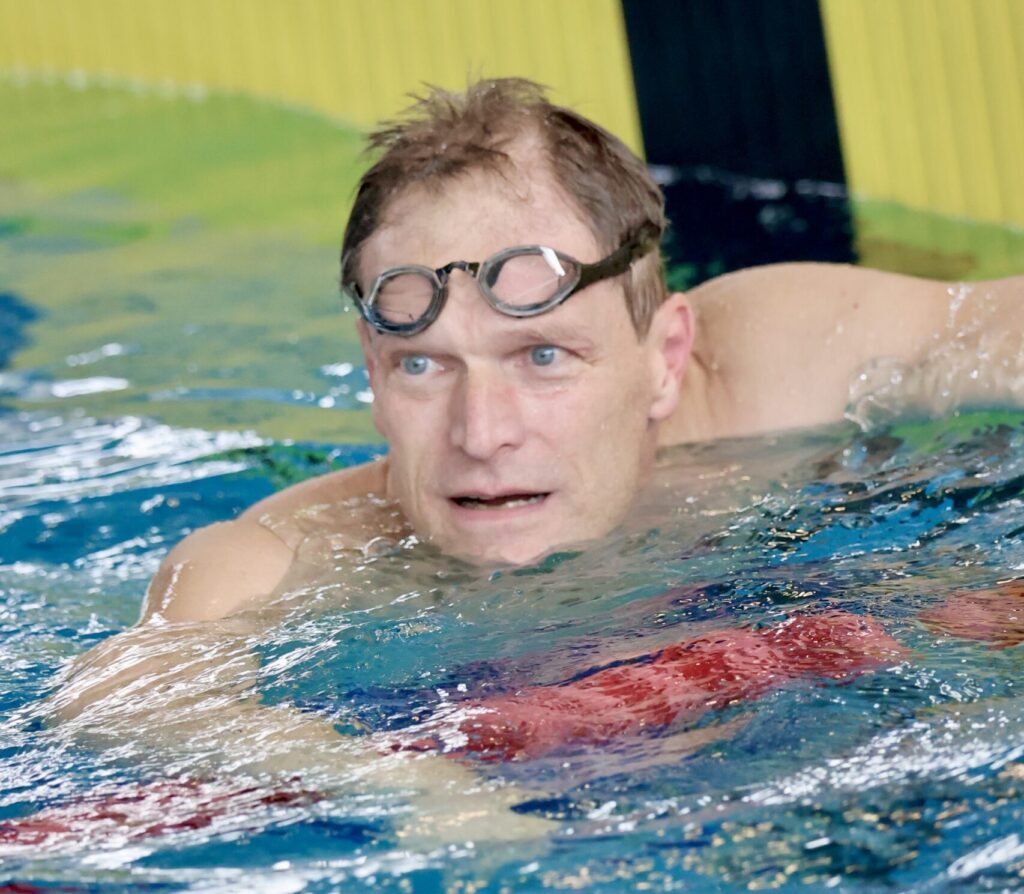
[{"x": 620, "y": 260}]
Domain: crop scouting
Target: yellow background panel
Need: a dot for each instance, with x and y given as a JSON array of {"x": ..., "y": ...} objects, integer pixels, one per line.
[
  {"x": 930, "y": 99},
  {"x": 354, "y": 60}
]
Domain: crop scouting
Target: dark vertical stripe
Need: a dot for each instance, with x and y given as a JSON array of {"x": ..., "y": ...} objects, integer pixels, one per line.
[
  {"x": 15, "y": 314},
  {"x": 742, "y": 85},
  {"x": 734, "y": 96}
]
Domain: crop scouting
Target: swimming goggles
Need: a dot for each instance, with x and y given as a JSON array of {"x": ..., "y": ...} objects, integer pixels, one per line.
[{"x": 521, "y": 282}]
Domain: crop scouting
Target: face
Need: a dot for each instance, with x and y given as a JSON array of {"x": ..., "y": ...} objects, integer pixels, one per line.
[{"x": 509, "y": 437}]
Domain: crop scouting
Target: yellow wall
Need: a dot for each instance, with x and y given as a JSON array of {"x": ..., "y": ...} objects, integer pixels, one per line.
[
  {"x": 354, "y": 60},
  {"x": 930, "y": 98},
  {"x": 929, "y": 93}
]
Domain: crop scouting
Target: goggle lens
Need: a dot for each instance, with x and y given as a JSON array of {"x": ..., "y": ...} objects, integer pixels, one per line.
[
  {"x": 403, "y": 298},
  {"x": 531, "y": 278}
]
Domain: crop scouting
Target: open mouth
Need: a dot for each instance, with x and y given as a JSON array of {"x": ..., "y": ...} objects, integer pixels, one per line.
[{"x": 506, "y": 501}]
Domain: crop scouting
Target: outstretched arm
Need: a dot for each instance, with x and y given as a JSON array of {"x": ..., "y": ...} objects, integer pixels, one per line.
[
  {"x": 788, "y": 345},
  {"x": 182, "y": 687},
  {"x": 185, "y": 695},
  {"x": 213, "y": 575}
]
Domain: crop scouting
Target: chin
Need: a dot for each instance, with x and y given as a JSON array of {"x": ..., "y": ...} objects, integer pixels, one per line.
[
  {"x": 507, "y": 553},
  {"x": 514, "y": 548}
]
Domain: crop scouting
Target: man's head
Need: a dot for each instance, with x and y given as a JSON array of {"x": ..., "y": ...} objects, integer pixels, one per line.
[
  {"x": 445, "y": 135},
  {"x": 511, "y": 435}
]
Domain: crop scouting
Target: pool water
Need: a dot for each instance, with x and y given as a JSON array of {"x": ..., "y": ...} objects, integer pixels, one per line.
[
  {"x": 174, "y": 351},
  {"x": 906, "y": 775}
]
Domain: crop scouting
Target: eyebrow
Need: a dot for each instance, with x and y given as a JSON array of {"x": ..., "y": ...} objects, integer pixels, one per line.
[{"x": 555, "y": 331}]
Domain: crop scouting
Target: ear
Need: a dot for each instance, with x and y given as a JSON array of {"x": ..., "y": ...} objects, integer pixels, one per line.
[
  {"x": 367, "y": 338},
  {"x": 670, "y": 340}
]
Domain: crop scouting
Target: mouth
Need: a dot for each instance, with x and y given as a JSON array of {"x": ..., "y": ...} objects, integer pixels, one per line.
[{"x": 504, "y": 501}]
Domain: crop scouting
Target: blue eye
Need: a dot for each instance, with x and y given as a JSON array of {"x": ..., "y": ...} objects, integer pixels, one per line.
[
  {"x": 543, "y": 355},
  {"x": 415, "y": 364}
]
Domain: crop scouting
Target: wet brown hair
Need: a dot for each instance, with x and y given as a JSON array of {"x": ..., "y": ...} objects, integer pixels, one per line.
[{"x": 444, "y": 134}]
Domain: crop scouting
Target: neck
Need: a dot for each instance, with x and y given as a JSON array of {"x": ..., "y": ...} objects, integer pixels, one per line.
[{"x": 693, "y": 419}]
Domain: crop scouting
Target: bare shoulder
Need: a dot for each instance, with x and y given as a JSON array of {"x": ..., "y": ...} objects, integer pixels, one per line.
[
  {"x": 780, "y": 344},
  {"x": 217, "y": 570},
  {"x": 351, "y": 506},
  {"x": 367, "y": 479},
  {"x": 855, "y": 307},
  {"x": 230, "y": 566},
  {"x": 807, "y": 288}
]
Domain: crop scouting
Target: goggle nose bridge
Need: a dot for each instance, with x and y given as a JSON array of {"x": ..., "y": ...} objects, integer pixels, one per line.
[{"x": 470, "y": 267}]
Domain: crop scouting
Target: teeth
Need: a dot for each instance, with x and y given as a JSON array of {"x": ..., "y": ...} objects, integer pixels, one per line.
[
  {"x": 499, "y": 502},
  {"x": 522, "y": 501}
]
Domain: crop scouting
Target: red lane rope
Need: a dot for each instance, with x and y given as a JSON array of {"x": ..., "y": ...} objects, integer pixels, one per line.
[
  {"x": 681, "y": 681},
  {"x": 649, "y": 692}
]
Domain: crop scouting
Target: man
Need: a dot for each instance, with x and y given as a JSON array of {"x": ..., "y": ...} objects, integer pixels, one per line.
[
  {"x": 509, "y": 434},
  {"x": 526, "y": 363},
  {"x": 523, "y": 413}
]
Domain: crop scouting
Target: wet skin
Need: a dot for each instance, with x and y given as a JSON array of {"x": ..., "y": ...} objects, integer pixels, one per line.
[{"x": 510, "y": 436}]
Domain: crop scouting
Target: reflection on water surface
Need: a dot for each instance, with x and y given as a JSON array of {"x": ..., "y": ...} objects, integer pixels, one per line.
[
  {"x": 904, "y": 771},
  {"x": 179, "y": 353}
]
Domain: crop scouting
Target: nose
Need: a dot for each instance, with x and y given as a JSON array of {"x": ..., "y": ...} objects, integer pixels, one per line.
[{"x": 486, "y": 416}]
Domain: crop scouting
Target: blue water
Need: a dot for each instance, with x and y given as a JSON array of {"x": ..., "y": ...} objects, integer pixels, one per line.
[
  {"x": 161, "y": 370},
  {"x": 905, "y": 778}
]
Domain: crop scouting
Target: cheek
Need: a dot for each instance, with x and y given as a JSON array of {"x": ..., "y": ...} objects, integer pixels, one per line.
[
  {"x": 563, "y": 419},
  {"x": 621, "y": 433},
  {"x": 601, "y": 422},
  {"x": 414, "y": 429},
  {"x": 619, "y": 404}
]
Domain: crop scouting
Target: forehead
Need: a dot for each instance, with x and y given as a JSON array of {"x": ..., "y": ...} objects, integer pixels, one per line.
[{"x": 474, "y": 215}]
